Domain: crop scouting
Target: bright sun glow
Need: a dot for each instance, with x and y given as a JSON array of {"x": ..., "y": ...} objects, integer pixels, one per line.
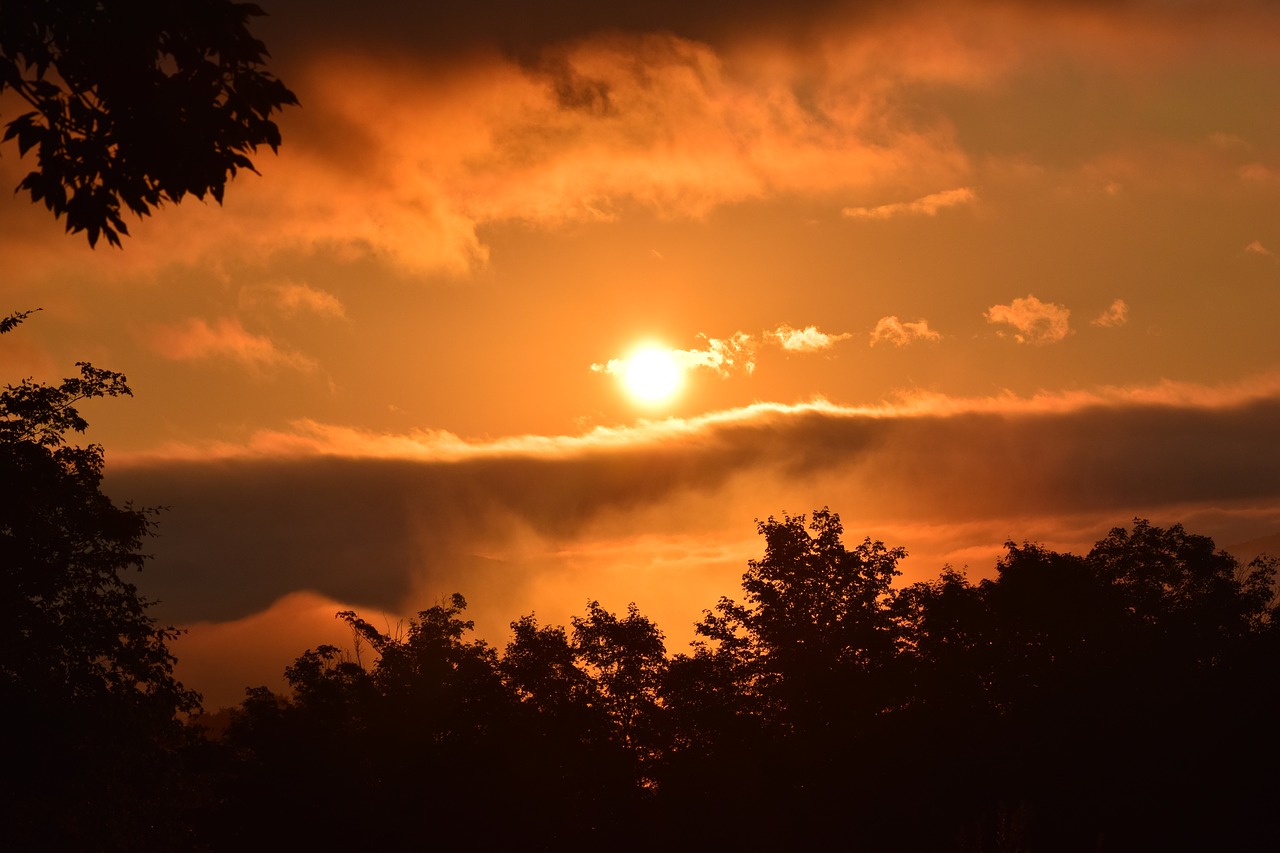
[{"x": 653, "y": 375}]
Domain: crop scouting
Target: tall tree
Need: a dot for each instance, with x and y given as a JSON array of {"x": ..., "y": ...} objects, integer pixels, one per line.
[
  {"x": 86, "y": 676},
  {"x": 626, "y": 657},
  {"x": 816, "y": 622},
  {"x": 134, "y": 103}
]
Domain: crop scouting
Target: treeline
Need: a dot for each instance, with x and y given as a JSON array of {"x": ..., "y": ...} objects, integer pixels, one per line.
[{"x": 1122, "y": 700}]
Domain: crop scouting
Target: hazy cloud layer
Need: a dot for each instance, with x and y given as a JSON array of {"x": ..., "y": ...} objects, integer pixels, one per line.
[
  {"x": 1032, "y": 321},
  {"x": 371, "y": 527}
]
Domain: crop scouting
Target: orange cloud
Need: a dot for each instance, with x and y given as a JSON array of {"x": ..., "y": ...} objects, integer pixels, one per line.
[
  {"x": 928, "y": 205},
  {"x": 808, "y": 339},
  {"x": 292, "y": 298},
  {"x": 723, "y": 356},
  {"x": 894, "y": 331},
  {"x": 1116, "y": 315},
  {"x": 1033, "y": 321},
  {"x": 226, "y": 338},
  {"x": 1256, "y": 248},
  {"x": 406, "y": 160}
]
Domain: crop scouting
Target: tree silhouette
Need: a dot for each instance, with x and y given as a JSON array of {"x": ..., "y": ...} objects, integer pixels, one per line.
[
  {"x": 134, "y": 103},
  {"x": 86, "y": 676},
  {"x": 626, "y": 658},
  {"x": 816, "y": 616},
  {"x": 1120, "y": 700}
]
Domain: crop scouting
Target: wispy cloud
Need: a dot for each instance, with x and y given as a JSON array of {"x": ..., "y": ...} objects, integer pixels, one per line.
[
  {"x": 292, "y": 298},
  {"x": 1116, "y": 315},
  {"x": 1256, "y": 173},
  {"x": 808, "y": 339},
  {"x": 1256, "y": 248},
  {"x": 722, "y": 356},
  {"x": 1033, "y": 321},
  {"x": 226, "y": 339},
  {"x": 925, "y": 206},
  {"x": 891, "y": 330}
]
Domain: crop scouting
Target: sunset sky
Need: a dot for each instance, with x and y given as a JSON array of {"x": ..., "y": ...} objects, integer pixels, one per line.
[{"x": 963, "y": 272}]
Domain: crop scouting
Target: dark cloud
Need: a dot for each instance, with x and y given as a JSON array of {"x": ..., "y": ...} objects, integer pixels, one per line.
[
  {"x": 522, "y": 29},
  {"x": 240, "y": 534}
]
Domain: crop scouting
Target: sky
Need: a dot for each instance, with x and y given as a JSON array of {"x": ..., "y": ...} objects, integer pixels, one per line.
[{"x": 963, "y": 272}]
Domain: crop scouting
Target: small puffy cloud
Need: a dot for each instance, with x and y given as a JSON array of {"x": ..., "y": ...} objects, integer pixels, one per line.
[
  {"x": 808, "y": 339},
  {"x": 891, "y": 330},
  {"x": 1033, "y": 321},
  {"x": 1256, "y": 248},
  {"x": 225, "y": 338},
  {"x": 927, "y": 205},
  {"x": 723, "y": 356},
  {"x": 1116, "y": 315}
]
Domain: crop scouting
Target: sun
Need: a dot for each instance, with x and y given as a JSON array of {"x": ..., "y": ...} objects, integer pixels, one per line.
[{"x": 652, "y": 375}]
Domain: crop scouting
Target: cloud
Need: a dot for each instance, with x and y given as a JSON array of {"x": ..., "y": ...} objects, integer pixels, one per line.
[
  {"x": 927, "y": 205},
  {"x": 585, "y": 114},
  {"x": 1256, "y": 173},
  {"x": 293, "y": 298},
  {"x": 722, "y": 356},
  {"x": 737, "y": 352},
  {"x": 808, "y": 339},
  {"x": 583, "y": 131},
  {"x": 894, "y": 331},
  {"x": 376, "y": 519},
  {"x": 226, "y": 338},
  {"x": 661, "y": 512},
  {"x": 1116, "y": 315},
  {"x": 1256, "y": 248},
  {"x": 1034, "y": 322}
]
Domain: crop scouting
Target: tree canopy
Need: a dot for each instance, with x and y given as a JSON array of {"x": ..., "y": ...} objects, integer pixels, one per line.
[
  {"x": 86, "y": 675},
  {"x": 134, "y": 103}
]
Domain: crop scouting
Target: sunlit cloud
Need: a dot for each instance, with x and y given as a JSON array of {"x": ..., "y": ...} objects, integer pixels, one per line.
[
  {"x": 722, "y": 356},
  {"x": 1033, "y": 321},
  {"x": 293, "y": 298},
  {"x": 308, "y": 438},
  {"x": 891, "y": 330},
  {"x": 1116, "y": 315},
  {"x": 392, "y": 522},
  {"x": 926, "y": 206},
  {"x": 224, "y": 339},
  {"x": 808, "y": 339},
  {"x": 678, "y": 125}
]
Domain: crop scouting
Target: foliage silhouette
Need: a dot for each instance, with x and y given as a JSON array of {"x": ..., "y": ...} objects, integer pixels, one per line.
[
  {"x": 134, "y": 103},
  {"x": 1113, "y": 701},
  {"x": 86, "y": 676},
  {"x": 626, "y": 658}
]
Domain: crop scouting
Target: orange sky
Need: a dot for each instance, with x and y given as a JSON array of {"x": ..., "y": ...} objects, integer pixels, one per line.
[{"x": 962, "y": 272}]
